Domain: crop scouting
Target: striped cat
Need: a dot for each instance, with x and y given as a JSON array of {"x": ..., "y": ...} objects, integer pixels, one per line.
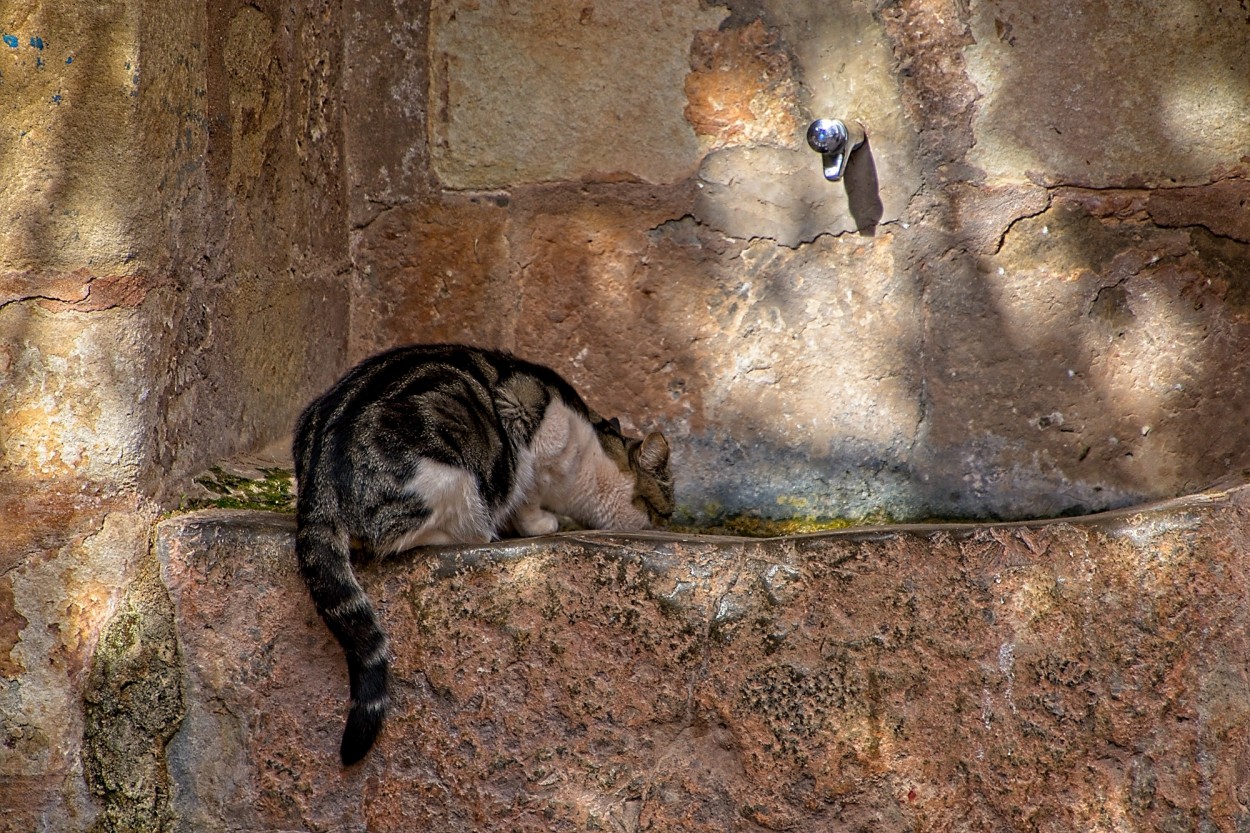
[{"x": 440, "y": 444}]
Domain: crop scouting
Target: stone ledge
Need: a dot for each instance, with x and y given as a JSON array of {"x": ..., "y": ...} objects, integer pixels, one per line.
[{"x": 1082, "y": 674}]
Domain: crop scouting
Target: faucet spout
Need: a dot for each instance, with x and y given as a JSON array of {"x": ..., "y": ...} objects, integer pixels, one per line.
[{"x": 834, "y": 140}]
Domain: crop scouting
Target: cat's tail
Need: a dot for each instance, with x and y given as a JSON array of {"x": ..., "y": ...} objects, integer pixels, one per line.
[{"x": 325, "y": 563}]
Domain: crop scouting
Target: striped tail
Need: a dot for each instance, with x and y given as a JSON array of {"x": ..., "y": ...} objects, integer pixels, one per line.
[{"x": 325, "y": 564}]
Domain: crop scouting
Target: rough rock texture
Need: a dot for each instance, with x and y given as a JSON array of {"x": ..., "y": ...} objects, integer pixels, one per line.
[
  {"x": 1028, "y": 297},
  {"x": 1107, "y": 337},
  {"x": 1059, "y": 676},
  {"x": 578, "y": 102},
  {"x": 1009, "y": 308},
  {"x": 133, "y": 707},
  {"x": 65, "y": 559},
  {"x": 172, "y": 242},
  {"x": 149, "y": 157},
  {"x": 836, "y": 62},
  {"x": 1159, "y": 101}
]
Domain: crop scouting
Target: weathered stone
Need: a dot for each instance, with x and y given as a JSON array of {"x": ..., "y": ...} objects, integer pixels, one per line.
[
  {"x": 211, "y": 759},
  {"x": 1100, "y": 340},
  {"x": 256, "y": 213},
  {"x": 928, "y": 38},
  {"x": 816, "y": 376},
  {"x": 909, "y": 410},
  {"x": 172, "y": 247},
  {"x": 133, "y": 707},
  {"x": 777, "y": 193},
  {"x": 110, "y": 215},
  {"x": 1160, "y": 102},
  {"x": 595, "y": 91},
  {"x": 742, "y": 87},
  {"x": 655, "y": 327},
  {"x": 451, "y": 274},
  {"x": 76, "y": 389},
  {"x": 182, "y": 183},
  {"x": 581, "y": 291},
  {"x": 984, "y": 215},
  {"x": 70, "y": 135},
  {"x": 772, "y": 186},
  {"x": 1222, "y": 207},
  {"x": 1057, "y": 674},
  {"x": 65, "y": 559}
]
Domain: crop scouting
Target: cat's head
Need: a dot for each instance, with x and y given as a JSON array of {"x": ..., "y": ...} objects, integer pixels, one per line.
[{"x": 646, "y": 460}]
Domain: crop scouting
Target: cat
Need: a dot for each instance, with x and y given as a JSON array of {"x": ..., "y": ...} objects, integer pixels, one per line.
[{"x": 444, "y": 444}]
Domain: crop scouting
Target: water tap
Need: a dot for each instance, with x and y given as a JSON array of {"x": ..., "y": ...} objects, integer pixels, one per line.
[{"x": 834, "y": 140}]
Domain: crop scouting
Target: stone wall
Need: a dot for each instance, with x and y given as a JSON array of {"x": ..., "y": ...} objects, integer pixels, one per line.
[
  {"x": 1060, "y": 676},
  {"x": 172, "y": 251},
  {"x": 1027, "y": 298}
]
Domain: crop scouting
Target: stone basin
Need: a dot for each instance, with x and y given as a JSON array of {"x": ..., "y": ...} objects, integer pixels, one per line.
[{"x": 1083, "y": 674}]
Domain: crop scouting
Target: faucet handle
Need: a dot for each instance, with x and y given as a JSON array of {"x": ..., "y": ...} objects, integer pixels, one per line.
[{"x": 834, "y": 140}]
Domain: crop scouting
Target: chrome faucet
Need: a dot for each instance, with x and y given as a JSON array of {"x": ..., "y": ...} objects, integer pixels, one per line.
[{"x": 834, "y": 140}]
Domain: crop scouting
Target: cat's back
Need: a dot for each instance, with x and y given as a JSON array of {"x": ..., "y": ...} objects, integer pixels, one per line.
[
  {"x": 403, "y": 372},
  {"x": 438, "y": 400}
]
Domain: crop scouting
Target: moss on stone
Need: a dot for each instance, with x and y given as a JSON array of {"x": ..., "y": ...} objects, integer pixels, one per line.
[
  {"x": 274, "y": 491},
  {"x": 133, "y": 705},
  {"x": 754, "y": 526}
]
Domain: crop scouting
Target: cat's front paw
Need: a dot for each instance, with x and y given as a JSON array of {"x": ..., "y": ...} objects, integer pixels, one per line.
[{"x": 534, "y": 520}]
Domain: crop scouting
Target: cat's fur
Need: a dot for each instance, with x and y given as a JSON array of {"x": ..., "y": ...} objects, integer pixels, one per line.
[{"x": 439, "y": 444}]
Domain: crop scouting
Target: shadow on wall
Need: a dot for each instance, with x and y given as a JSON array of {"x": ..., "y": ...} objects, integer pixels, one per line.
[
  {"x": 1160, "y": 103},
  {"x": 1014, "y": 348},
  {"x": 863, "y": 191},
  {"x": 69, "y": 77},
  {"x": 65, "y": 79},
  {"x": 1115, "y": 337},
  {"x": 69, "y": 372},
  {"x": 1064, "y": 362},
  {"x": 742, "y": 349}
]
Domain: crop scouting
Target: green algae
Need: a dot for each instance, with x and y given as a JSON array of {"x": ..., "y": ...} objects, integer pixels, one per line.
[
  {"x": 753, "y": 526},
  {"x": 273, "y": 492}
]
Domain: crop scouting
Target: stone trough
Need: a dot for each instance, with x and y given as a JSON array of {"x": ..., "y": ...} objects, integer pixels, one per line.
[{"x": 1084, "y": 674}]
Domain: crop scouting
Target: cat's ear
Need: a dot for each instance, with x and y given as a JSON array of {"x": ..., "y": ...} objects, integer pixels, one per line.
[{"x": 653, "y": 453}]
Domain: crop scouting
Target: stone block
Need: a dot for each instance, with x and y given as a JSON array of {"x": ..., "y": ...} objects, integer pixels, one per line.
[
  {"x": 72, "y": 193},
  {"x": 758, "y": 359},
  {"x": 897, "y": 678},
  {"x": 66, "y": 557},
  {"x": 1219, "y": 207},
  {"x": 172, "y": 241},
  {"x": 1110, "y": 94},
  {"x": 1103, "y": 343},
  {"x": 743, "y": 88},
  {"x": 772, "y": 186},
  {"x": 384, "y": 92},
  {"x": 79, "y": 392},
  {"x": 594, "y": 91},
  {"x": 432, "y": 273}
]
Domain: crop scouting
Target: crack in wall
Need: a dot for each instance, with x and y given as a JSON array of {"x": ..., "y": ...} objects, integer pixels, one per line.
[
  {"x": 674, "y": 224},
  {"x": 1002, "y": 237}
]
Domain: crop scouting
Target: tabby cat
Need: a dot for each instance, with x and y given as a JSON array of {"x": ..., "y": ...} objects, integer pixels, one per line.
[{"x": 440, "y": 444}]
